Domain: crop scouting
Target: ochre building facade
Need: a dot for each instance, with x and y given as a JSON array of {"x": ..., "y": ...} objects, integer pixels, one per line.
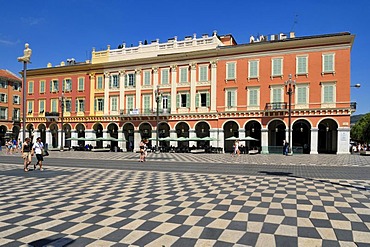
[{"x": 206, "y": 86}]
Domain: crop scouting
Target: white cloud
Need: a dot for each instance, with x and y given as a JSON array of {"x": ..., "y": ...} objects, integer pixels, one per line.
[{"x": 31, "y": 20}]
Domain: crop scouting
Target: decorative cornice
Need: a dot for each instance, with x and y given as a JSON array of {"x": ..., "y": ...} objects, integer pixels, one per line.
[{"x": 174, "y": 67}]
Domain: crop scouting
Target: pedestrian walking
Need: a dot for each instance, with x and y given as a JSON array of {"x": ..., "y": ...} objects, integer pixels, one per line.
[
  {"x": 26, "y": 154},
  {"x": 142, "y": 150},
  {"x": 38, "y": 148},
  {"x": 236, "y": 148}
]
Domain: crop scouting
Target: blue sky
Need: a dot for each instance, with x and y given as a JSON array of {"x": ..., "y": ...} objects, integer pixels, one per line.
[{"x": 58, "y": 30}]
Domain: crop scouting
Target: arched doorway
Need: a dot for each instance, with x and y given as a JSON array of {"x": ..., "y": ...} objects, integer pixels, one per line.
[
  {"x": 182, "y": 130},
  {"x": 42, "y": 130},
  {"x": 145, "y": 130},
  {"x": 276, "y": 136},
  {"x": 54, "y": 135},
  {"x": 301, "y": 136},
  {"x": 164, "y": 131},
  {"x": 3, "y": 130},
  {"x": 98, "y": 129},
  {"x": 113, "y": 132},
  {"x": 253, "y": 129},
  {"x": 128, "y": 132},
  {"x": 231, "y": 129},
  {"x": 327, "y": 139},
  {"x": 80, "y": 128},
  {"x": 67, "y": 134},
  {"x": 201, "y": 131}
]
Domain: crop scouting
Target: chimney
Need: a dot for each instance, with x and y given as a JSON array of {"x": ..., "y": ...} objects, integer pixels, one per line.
[{"x": 291, "y": 35}]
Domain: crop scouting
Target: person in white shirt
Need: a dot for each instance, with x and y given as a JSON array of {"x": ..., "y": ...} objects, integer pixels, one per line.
[{"x": 38, "y": 149}]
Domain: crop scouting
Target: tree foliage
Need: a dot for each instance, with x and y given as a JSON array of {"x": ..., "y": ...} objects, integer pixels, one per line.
[{"x": 361, "y": 130}]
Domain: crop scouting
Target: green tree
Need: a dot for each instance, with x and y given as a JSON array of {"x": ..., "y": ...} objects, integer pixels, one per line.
[{"x": 361, "y": 130}]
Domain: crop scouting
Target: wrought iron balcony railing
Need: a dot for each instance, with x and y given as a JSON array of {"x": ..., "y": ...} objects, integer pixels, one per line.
[
  {"x": 276, "y": 106},
  {"x": 353, "y": 106},
  {"x": 145, "y": 112}
]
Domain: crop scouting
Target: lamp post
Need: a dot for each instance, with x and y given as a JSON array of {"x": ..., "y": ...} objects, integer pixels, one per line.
[
  {"x": 61, "y": 100},
  {"x": 157, "y": 97},
  {"x": 26, "y": 58},
  {"x": 290, "y": 84}
]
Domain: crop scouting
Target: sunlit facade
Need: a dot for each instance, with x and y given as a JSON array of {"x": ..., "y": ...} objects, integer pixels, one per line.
[{"x": 207, "y": 86}]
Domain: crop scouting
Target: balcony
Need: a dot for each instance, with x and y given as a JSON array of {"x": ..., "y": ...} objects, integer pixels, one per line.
[
  {"x": 52, "y": 116},
  {"x": 145, "y": 112},
  {"x": 276, "y": 106}
]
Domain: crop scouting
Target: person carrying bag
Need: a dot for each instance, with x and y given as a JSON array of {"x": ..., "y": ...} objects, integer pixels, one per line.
[{"x": 38, "y": 148}]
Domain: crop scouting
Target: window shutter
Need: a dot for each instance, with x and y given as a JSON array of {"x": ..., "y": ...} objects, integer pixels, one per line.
[
  {"x": 169, "y": 101},
  {"x": 187, "y": 100},
  {"x": 197, "y": 100},
  {"x": 231, "y": 71},
  {"x": 233, "y": 99},
  {"x": 5, "y": 98},
  {"x": 126, "y": 80},
  {"x": 208, "y": 98},
  {"x": 76, "y": 105},
  {"x": 95, "y": 104},
  {"x": 51, "y": 86},
  {"x": 178, "y": 100}
]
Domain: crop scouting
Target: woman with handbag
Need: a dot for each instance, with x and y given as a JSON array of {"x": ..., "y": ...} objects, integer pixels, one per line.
[
  {"x": 26, "y": 154},
  {"x": 38, "y": 148}
]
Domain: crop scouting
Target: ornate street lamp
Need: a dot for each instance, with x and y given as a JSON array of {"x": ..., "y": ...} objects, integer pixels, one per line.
[
  {"x": 61, "y": 100},
  {"x": 157, "y": 98},
  {"x": 26, "y": 58},
  {"x": 290, "y": 85}
]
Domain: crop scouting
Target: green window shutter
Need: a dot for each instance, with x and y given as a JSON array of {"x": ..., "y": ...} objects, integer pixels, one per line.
[
  {"x": 76, "y": 105},
  {"x": 169, "y": 101},
  {"x": 95, "y": 104},
  {"x": 197, "y": 100},
  {"x": 329, "y": 94},
  {"x": 233, "y": 103},
  {"x": 253, "y": 69},
  {"x": 51, "y": 86},
  {"x": 178, "y": 100},
  {"x": 187, "y": 100},
  {"x": 301, "y": 94},
  {"x": 126, "y": 80},
  {"x": 302, "y": 65},
  {"x": 63, "y": 85},
  {"x": 208, "y": 99},
  {"x": 276, "y": 95},
  {"x": 231, "y": 71},
  {"x": 328, "y": 63}
]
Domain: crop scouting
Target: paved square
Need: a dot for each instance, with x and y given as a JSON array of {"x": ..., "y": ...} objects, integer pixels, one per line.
[{"x": 100, "y": 207}]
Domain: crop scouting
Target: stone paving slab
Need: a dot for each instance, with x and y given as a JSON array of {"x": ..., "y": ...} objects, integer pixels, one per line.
[{"x": 104, "y": 207}]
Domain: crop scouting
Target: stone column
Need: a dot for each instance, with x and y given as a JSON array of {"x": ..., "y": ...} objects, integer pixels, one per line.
[
  {"x": 138, "y": 89},
  {"x": 74, "y": 134},
  {"x": 343, "y": 139},
  {"x": 173, "y": 135},
  {"x": 173, "y": 89},
  {"x": 191, "y": 135},
  {"x": 221, "y": 139},
  {"x": 122, "y": 75},
  {"x": 92, "y": 94},
  {"x": 137, "y": 140},
  {"x": 106, "y": 95},
  {"x": 213, "y": 86},
  {"x": 265, "y": 140},
  {"x": 193, "y": 74},
  {"x": 314, "y": 140}
]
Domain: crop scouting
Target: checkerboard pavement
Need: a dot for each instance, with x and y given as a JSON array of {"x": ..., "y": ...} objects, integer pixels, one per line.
[{"x": 100, "y": 207}]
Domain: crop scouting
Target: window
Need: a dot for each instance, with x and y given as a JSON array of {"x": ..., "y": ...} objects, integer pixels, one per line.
[
  {"x": 202, "y": 99},
  {"x": 3, "y": 98},
  {"x": 165, "y": 76},
  {"x": 16, "y": 99},
  {"x": 301, "y": 92},
  {"x": 146, "y": 100},
  {"x": 114, "y": 104},
  {"x": 183, "y": 74},
  {"x": 30, "y": 107},
  {"x": 328, "y": 63},
  {"x": 30, "y": 87},
  {"x": 230, "y": 71},
  {"x": 80, "y": 105},
  {"x": 166, "y": 101},
  {"x": 16, "y": 114},
  {"x": 130, "y": 80},
  {"x": 114, "y": 81},
  {"x": 328, "y": 94},
  {"x": 42, "y": 86},
  {"x": 99, "y": 84},
  {"x": 253, "y": 69},
  {"x": 302, "y": 68},
  {"x": 277, "y": 98},
  {"x": 203, "y": 73},
  {"x": 67, "y": 105},
  {"x": 54, "y": 86},
  {"x": 81, "y": 84},
  {"x": 54, "y": 105},
  {"x": 253, "y": 96},
  {"x": 230, "y": 98},
  {"x": 183, "y": 100},
  {"x": 99, "y": 104},
  {"x": 41, "y": 106},
  {"x": 147, "y": 78},
  {"x": 277, "y": 67},
  {"x": 17, "y": 86},
  {"x": 3, "y": 84},
  {"x": 130, "y": 102},
  {"x": 3, "y": 113},
  {"x": 67, "y": 85}
]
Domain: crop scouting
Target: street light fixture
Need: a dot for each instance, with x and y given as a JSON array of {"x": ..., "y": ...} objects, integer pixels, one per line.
[
  {"x": 61, "y": 100},
  {"x": 26, "y": 58},
  {"x": 290, "y": 85},
  {"x": 358, "y": 85},
  {"x": 157, "y": 98}
]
